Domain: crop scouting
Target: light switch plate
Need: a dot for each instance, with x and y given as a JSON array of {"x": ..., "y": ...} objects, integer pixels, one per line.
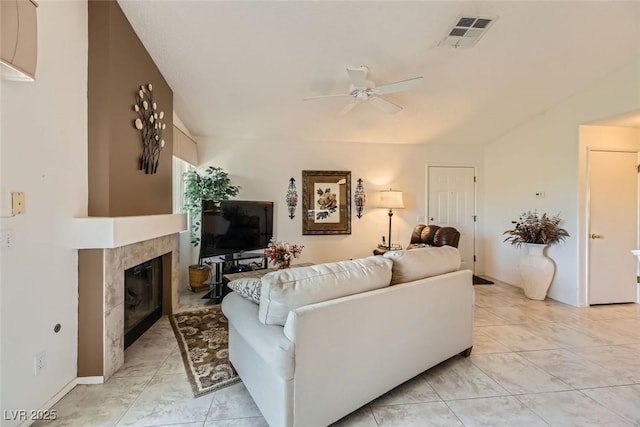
[{"x": 18, "y": 206}]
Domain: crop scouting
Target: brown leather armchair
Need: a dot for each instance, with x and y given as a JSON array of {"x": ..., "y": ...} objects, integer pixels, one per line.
[{"x": 434, "y": 235}]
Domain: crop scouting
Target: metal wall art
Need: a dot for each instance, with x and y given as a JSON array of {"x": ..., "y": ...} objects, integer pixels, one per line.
[
  {"x": 150, "y": 126},
  {"x": 292, "y": 198},
  {"x": 359, "y": 198},
  {"x": 326, "y": 202}
]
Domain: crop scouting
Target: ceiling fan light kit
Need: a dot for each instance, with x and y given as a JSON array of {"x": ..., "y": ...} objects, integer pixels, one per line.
[{"x": 363, "y": 90}]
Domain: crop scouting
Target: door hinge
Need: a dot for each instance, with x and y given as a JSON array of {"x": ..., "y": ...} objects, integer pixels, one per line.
[
  {"x": 638, "y": 168},
  {"x": 474, "y": 258},
  {"x": 475, "y": 218},
  {"x": 474, "y": 178}
]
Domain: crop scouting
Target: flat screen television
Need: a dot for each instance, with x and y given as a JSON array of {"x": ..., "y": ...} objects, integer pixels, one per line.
[{"x": 233, "y": 226}]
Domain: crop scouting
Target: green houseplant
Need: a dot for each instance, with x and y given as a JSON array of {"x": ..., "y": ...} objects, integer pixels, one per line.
[{"x": 215, "y": 185}]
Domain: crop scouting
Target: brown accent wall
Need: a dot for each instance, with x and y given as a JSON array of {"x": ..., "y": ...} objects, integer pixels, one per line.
[
  {"x": 90, "y": 312},
  {"x": 118, "y": 65}
]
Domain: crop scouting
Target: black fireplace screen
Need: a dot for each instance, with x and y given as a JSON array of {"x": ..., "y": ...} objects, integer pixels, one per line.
[{"x": 142, "y": 298}]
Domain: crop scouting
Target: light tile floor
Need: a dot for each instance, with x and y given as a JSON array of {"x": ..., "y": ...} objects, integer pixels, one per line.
[{"x": 534, "y": 363}]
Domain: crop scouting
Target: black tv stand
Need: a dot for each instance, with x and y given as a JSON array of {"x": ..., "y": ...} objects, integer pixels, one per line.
[
  {"x": 226, "y": 264},
  {"x": 239, "y": 268}
]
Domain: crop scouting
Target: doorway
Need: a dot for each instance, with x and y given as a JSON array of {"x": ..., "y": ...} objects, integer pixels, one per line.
[
  {"x": 612, "y": 226},
  {"x": 451, "y": 202}
]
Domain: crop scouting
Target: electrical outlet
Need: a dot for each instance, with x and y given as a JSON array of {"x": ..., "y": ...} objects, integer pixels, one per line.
[
  {"x": 18, "y": 203},
  {"x": 39, "y": 362},
  {"x": 6, "y": 242}
]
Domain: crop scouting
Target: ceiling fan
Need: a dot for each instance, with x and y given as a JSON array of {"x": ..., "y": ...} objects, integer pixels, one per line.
[{"x": 363, "y": 90}]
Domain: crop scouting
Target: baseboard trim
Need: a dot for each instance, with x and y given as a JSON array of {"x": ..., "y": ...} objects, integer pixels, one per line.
[
  {"x": 63, "y": 392},
  {"x": 90, "y": 380},
  {"x": 59, "y": 395}
]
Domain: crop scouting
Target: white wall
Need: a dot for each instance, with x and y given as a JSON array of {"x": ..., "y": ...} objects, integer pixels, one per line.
[
  {"x": 542, "y": 155},
  {"x": 44, "y": 154},
  {"x": 263, "y": 169}
]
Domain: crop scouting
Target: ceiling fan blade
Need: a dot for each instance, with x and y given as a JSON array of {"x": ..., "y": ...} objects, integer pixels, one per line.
[
  {"x": 385, "y": 105},
  {"x": 398, "y": 86},
  {"x": 309, "y": 98},
  {"x": 347, "y": 108},
  {"x": 358, "y": 76}
]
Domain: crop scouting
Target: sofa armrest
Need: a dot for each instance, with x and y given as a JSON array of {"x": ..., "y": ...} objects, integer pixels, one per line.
[
  {"x": 446, "y": 236},
  {"x": 267, "y": 341}
]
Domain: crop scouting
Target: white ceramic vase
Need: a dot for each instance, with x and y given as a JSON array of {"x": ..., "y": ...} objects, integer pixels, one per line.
[{"x": 536, "y": 271}]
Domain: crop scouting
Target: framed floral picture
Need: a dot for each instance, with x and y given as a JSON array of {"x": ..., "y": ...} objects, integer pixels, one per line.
[{"x": 326, "y": 202}]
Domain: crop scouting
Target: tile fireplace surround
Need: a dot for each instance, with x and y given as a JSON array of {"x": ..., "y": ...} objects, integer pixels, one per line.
[{"x": 107, "y": 247}]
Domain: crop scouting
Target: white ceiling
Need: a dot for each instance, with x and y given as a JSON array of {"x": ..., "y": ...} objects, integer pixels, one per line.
[{"x": 240, "y": 69}]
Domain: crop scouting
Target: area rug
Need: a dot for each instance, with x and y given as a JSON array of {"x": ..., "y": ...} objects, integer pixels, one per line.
[
  {"x": 480, "y": 281},
  {"x": 203, "y": 338}
]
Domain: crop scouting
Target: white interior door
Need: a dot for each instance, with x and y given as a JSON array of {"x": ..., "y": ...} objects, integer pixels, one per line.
[
  {"x": 451, "y": 198},
  {"x": 613, "y": 226}
]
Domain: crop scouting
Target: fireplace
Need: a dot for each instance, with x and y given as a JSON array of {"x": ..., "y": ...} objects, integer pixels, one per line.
[
  {"x": 108, "y": 247},
  {"x": 142, "y": 298}
]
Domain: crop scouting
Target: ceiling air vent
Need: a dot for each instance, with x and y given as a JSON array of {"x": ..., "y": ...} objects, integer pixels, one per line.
[{"x": 467, "y": 31}]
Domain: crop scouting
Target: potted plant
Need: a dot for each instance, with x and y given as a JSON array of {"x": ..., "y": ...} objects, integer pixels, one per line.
[
  {"x": 536, "y": 232},
  {"x": 214, "y": 185}
]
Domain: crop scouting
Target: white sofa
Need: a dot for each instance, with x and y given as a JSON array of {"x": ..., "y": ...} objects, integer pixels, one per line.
[{"x": 327, "y": 339}]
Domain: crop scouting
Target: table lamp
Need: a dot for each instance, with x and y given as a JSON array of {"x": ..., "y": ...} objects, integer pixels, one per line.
[{"x": 391, "y": 199}]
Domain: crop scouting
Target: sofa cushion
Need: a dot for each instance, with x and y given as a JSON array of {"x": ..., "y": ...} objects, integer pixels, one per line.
[
  {"x": 288, "y": 289},
  {"x": 414, "y": 264},
  {"x": 247, "y": 287}
]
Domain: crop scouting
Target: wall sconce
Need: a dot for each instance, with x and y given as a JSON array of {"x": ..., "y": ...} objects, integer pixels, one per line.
[
  {"x": 359, "y": 198},
  {"x": 391, "y": 199},
  {"x": 292, "y": 198}
]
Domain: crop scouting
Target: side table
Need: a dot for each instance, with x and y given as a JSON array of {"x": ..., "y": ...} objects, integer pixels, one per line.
[{"x": 383, "y": 250}]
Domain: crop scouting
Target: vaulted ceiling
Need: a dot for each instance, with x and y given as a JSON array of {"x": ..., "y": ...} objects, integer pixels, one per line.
[{"x": 241, "y": 69}]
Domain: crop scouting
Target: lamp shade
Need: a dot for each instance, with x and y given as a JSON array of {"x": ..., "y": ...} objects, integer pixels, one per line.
[{"x": 391, "y": 199}]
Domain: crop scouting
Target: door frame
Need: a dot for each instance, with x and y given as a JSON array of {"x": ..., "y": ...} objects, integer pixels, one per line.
[
  {"x": 585, "y": 215},
  {"x": 588, "y": 230},
  {"x": 475, "y": 202}
]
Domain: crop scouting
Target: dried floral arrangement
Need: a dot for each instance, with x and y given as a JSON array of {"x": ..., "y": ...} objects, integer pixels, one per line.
[
  {"x": 280, "y": 254},
  {"x": 150, "y": 126},
  {"x": 532, "y": 228}
]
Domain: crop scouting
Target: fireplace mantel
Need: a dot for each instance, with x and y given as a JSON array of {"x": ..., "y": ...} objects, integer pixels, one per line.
[{"x": 114, "y": 232}]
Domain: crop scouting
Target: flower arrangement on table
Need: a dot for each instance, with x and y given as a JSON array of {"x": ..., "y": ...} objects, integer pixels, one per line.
[
  {"x": 280, "y": 254},
  {"x": 532, "y": 228}
]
